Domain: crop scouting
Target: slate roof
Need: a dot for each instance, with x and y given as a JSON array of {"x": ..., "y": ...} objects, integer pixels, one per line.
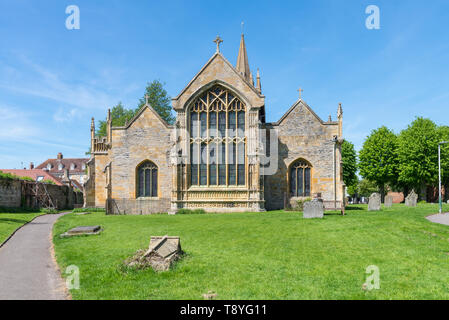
[{"x": 66, "y": 164}]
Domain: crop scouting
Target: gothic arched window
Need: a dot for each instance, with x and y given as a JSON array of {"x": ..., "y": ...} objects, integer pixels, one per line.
[
  {"x": 147, "y": 179},
  {"x": 217, "y": 139},
  {"x": 300, "y": 178}
]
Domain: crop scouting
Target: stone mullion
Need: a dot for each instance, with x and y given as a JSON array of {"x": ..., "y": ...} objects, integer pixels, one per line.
[
  {"x": 207, "y": 141},
  {"x": 236, "y": 151},
  {"x": 226, "y": 142}
]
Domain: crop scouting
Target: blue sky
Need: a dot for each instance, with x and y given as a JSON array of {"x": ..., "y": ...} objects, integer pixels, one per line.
[{"x": 53, "y": 80}]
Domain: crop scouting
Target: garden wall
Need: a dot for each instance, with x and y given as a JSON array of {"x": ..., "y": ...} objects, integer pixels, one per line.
[
  {"x": 10, "y": 193},
  {"x": 20, "y": 193}
]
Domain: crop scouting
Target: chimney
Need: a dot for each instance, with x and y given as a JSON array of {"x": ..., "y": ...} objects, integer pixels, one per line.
[
  {"x": 59, "y": 156},
  {"x": 31, "y": 166}
]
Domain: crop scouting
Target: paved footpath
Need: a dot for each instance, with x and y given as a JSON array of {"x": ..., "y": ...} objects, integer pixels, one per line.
[
  {"x": 27, "y": 268},
  {"x": 442, "y": 218}
]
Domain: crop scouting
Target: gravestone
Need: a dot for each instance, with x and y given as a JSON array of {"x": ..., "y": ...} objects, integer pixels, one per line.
[
  {"x": 388, "y": 203},
  {"x": 162, "y": 252},
  {"x": 314, "y": 208},
  {"x": 374, "y": 202},
  {"x": 411, "y": 199},
  {"x": 82, "y": 230}
]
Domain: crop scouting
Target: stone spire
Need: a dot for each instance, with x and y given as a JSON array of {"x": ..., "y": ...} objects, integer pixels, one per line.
[
  {"x": 242, "y": 61},
  {"x": 258, "y": 86}
]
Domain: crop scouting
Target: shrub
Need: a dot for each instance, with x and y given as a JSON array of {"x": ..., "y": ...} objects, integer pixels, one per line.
[
  {"x": 189, "y": 211},
  {"x": 49, "y": 181},
  {"x": 49, "y": 211},
  {"x": 91, "y": 209},
  {"x": 300, "y": 204}
]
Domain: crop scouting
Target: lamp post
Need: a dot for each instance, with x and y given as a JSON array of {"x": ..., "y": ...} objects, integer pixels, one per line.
[{"x": 439, "y": 174}]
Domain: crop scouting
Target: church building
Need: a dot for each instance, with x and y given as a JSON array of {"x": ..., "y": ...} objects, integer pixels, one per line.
[{"x": 220, "y": 155}]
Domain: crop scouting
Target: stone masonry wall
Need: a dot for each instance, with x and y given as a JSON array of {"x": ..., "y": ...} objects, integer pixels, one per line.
[
  {"x": 147, "y": 138},
  {"x": 10, "y": 193},
  {"x": 302, "y": 135},
  {"x": 17, "y": 193}
]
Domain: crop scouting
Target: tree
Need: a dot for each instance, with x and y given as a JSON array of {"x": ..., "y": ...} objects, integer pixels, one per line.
[
  {"x": 119, "y": 115},
  {"x": 349, "y": 158},
  {"x": 365, "y": 188},
  {"x": 418, "y": 155},
  {"x": 379, "y": 158},
  {"x": 443, "y": 133},
  {"x": 159, "y": 100}
]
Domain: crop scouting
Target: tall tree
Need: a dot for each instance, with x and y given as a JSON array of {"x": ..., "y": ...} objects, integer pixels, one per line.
[
  {"x": 379, "y": 158},
  {"x": 443, "y": 133},
  {"x": 159, "y": 100},
  {"x": 418, "y": 156},
  {"x": 349, "y": 158},
  {"x": 119, "y": 115}
]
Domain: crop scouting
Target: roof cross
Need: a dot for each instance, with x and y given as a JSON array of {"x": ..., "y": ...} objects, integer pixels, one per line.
[
  {"x": 218, "y": 41},
  {"x": 300, "y": 92}
]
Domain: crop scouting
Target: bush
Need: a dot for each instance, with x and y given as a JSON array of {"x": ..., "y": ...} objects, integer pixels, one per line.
[
  {"x": 300, "y": 204},
  {"x": 17, "y": 210},
  {"x": 49, "y": 211},
  {"x": 49, "y": 181},
  {"x": 91, "y": 209},
  {"x": 189, "y": 211}
]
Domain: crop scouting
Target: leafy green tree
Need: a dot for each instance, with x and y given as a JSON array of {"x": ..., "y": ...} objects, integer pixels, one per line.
[
  {"x": 119, "y": 115},
  {"x": 418, "y": 155},
  {"x": 443, "y": 133},
  {"x": 379, "y": 158},
  {"x": 353, "y": 189},
  {"x": 159, "y": 100},
  {"x": 365, "y": 188},
  {"x": 349, "y": 158}
]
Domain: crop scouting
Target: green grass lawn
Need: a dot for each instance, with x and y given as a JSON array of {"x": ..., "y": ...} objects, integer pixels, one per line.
[
  {"x": 9, "y": 222},
  {"x": 273, "y": 255}
]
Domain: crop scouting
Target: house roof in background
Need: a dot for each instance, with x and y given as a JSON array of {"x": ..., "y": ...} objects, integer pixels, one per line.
[
  {"x": 66, "y": 164},
  {"x": 34, "y": 174}
]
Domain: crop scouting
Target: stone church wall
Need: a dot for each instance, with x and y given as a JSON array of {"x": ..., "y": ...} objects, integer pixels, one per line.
[
  {"x": 302, "y": 135},
  {"x": 146, "y": 139}
]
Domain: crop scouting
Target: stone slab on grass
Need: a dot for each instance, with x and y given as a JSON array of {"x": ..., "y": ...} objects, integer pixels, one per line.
[{"x": 82, "y": 230}]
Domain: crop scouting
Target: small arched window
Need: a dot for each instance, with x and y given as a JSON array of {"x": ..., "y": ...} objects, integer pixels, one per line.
[
  {"x": 300, "y": 178},
  {"x": 147, "y": 179}
]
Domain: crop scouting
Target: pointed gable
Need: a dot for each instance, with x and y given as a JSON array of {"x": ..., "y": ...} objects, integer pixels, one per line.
[
  {"x": 146, "y": 117},
  {"x": 219, "y": 70},
  {"x": 302, "y": 120}
]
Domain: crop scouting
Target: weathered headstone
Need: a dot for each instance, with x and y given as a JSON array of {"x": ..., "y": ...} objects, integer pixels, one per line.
[
  {"x": 388, "y": 201},
  {"x": 82, "y": 230},
  {"x": 314, "y": 208},
  {"x": 162, "y": 252},
  {"x": 374, "y": 202},
  {"x": 411, "y": 199}
]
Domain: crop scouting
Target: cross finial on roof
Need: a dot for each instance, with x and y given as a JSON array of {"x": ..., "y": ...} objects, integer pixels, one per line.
[
  {"x": 300, "y": 92},
  {"x": 217, "y": 41},
  {"x": 146, "y": 98},
  {"x": 243, "y": 27}
]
